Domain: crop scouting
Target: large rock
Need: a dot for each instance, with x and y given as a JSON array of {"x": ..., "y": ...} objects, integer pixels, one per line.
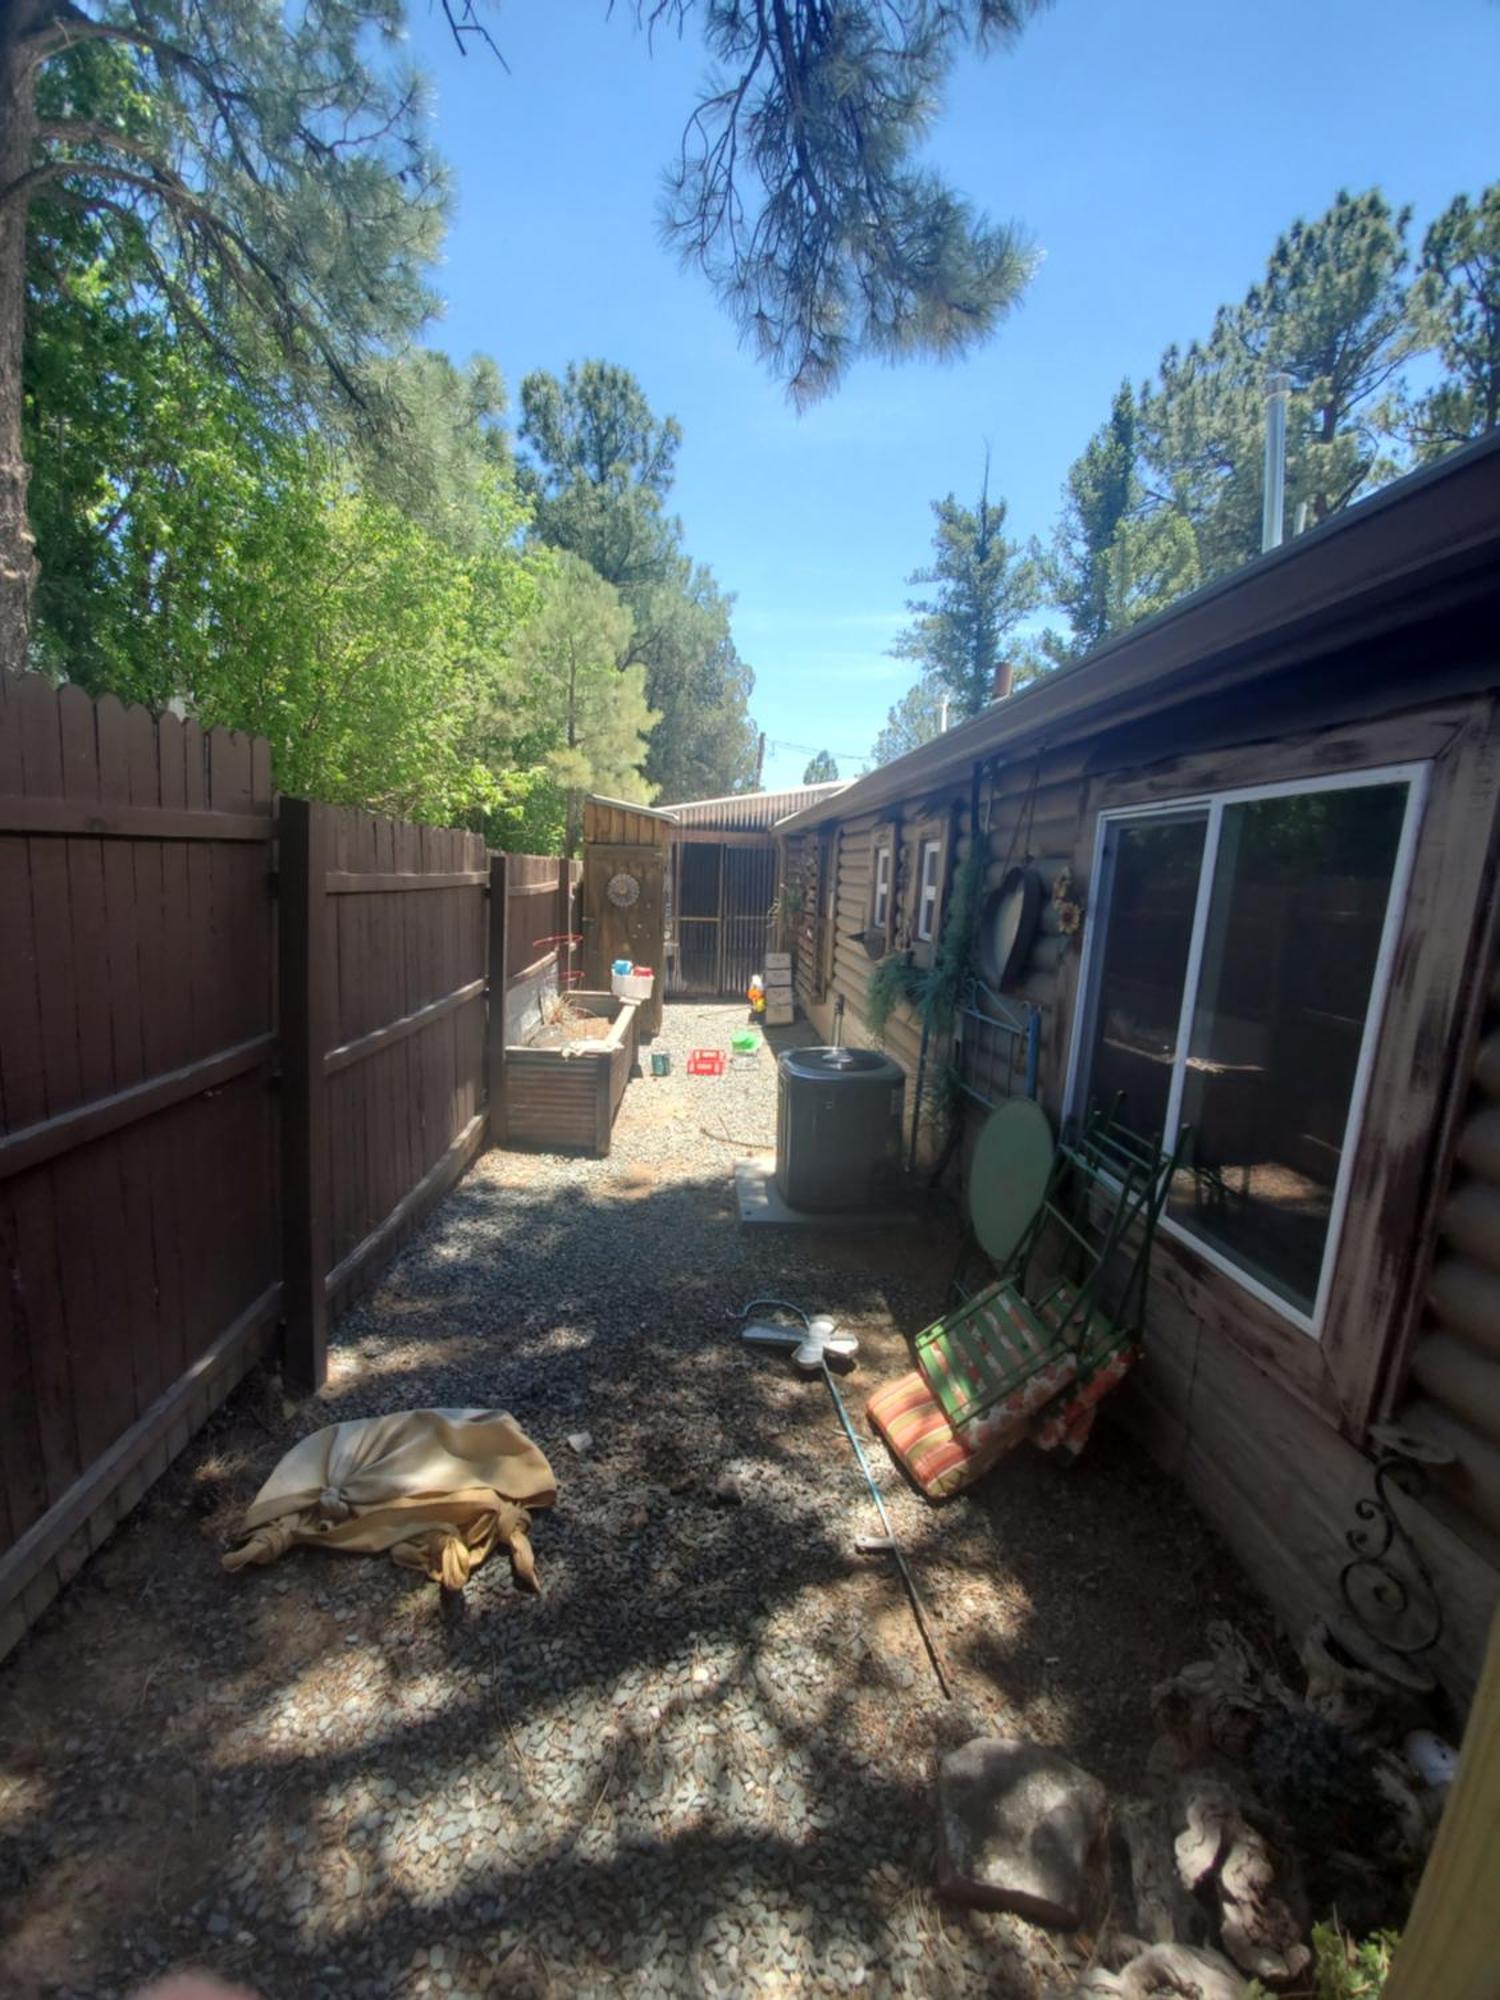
[
  {"x": 1165, "y": 1972},
  {"x": 1020, "y": 1828}
]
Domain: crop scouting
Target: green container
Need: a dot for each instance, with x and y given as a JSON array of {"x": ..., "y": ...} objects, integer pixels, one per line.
[
  {"x": 745, "y": 1043},
  {"x": 661, "y": 1063}
]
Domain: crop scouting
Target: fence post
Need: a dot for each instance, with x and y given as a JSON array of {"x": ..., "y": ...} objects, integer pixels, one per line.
[
  {"x": 497, "y": 972},
  {"x": 305, "y": 1020},
  {"x": 563, "y": 920}
]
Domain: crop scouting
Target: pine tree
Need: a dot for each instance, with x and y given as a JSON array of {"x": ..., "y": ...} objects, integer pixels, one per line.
[
  {"x": 984, "y": 585},
  {"x": 599, "y": 470},
  {"x": 572, "y": 695},
  {"x": 821, "y": 770},
  {"x": 1457, "y": 312},
  {"x": 798, "y": 191},
  {"x": 1332, "y": 312},
  {"x": 916, "y": 719},
  {"x": 1101, "y": 491}
]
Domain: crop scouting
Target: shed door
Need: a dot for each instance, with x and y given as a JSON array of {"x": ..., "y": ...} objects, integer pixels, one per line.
[
  {"x": 695, "y": 968},
  {"x": 749, "y": 889},
  {"x": 630, "y": 924}
]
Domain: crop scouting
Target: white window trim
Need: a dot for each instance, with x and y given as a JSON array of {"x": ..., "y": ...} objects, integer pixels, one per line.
[
  {"x": 880, "y": 902},
  {"x": 1415, "y": 777},
  {"x": 931, "y": 850}
]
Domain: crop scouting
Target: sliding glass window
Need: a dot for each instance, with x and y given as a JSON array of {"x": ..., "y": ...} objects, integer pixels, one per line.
[{"x": 1237, "y": 965}]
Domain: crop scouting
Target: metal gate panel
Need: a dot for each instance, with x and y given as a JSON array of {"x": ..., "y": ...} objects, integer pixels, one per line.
[{"x": 749, "y": 888}]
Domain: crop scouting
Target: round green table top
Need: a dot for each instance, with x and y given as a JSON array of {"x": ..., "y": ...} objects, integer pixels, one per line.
[{"x": 1008, "y": 1175}]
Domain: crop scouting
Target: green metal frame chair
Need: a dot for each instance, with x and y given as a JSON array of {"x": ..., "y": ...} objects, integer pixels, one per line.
[{"x": 1053, "y": 1324}]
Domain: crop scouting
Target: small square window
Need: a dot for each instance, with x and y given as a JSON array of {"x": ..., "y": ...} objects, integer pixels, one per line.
[
  {"x": 927, "y": 890},
  {"x": 880, "y": 901}
]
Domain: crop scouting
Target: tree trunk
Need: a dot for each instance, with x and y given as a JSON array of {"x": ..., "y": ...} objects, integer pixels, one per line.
[{"x": 17, "y": 145}]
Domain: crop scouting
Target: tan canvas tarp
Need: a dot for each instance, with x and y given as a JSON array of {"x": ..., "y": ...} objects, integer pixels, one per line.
[{"x": 436, "y": 1488}]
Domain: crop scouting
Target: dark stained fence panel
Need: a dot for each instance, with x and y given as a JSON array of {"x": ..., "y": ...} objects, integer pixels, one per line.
[
  {"x": 384, "y": 980},
  {"x": 138, "y": 1243},
  {"x": 170, "y": 942}
]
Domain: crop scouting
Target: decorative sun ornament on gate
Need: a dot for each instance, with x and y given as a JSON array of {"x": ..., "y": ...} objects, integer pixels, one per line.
[{"x": 623, "y": 890}]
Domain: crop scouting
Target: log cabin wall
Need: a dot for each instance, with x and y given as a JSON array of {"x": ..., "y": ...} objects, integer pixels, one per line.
[
  {"x": 1265, "y": 1425},
  {"x": 1450, "y": 1387}
]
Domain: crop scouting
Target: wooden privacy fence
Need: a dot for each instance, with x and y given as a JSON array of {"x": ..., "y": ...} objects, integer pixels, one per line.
[
  {"x": 536, "y": 894},
  {"x": 242, "y": 1052},
  {"x": 383, "y": 981},
  {"x": 139, "y": 1261}
]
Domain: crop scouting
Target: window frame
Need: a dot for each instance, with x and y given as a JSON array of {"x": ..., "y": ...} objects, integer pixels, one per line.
[
  {"x": 928, "y": 845},
  {"x": 881, "y": 890},
  {"x": 1415, "y": 776}
]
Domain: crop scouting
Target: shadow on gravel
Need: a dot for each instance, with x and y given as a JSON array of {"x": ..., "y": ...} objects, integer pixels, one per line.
[{"x": 711, "y": 1736}]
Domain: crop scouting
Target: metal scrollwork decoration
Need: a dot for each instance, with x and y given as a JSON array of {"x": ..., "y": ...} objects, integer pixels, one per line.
[
  {"x": 623, "y": 890},
  {"x": 1386, "y": 1584}
]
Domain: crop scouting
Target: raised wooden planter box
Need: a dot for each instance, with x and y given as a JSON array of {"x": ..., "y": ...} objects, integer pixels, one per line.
[{"x": 565, "y": 1100}]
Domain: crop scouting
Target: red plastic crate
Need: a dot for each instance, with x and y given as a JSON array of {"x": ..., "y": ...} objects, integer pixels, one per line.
[{"x": 706, "y": 1062}]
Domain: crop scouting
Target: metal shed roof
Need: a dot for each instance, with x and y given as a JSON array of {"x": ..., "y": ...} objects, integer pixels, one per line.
[{"x": 752, "y": 812}]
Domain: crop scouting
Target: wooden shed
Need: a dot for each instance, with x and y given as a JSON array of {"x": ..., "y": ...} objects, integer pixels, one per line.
[
  {"x": 706, "y": 876},
  {"x": 1265, "y": 830},
  {"x": 624, "y": 895}
]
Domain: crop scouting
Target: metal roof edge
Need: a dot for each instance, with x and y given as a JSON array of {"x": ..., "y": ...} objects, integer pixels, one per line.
[
  {"x": 1441, "y": 519},
  {"x": 775, "y": 791},
  {"x": 630, "y": 806}
]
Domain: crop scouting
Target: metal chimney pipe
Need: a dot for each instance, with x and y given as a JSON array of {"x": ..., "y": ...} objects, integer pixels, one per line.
[
  {"x": 1273, "y": 511},
  {"x": 1005, "y": 675}
]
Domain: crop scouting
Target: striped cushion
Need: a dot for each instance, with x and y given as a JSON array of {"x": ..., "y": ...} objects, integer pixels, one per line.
[
  {"x": 1068, "y": 1423},
  {"x": 998, "y": 1359},
  {"x": 923, "y": 1442}
]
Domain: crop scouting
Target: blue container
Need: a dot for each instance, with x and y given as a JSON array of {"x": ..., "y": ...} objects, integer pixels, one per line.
[
  {"x": 622, "y": 966},
  {"x": 661, "y": 1062}
]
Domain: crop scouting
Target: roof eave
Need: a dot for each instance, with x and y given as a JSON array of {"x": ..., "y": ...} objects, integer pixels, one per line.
[{"x": 1430, "y": 531}]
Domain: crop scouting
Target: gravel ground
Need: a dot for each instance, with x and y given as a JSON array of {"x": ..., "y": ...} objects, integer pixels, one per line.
[{"x": 700, "y": 1761}]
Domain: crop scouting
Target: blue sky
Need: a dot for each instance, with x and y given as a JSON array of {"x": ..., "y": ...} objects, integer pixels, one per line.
[{"x": 1152, "y": 149}]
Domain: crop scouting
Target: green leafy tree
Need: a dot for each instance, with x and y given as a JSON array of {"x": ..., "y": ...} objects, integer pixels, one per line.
[
  {"x": 368, "y": 650},
  {"x": 916, "y": 719},
  {"x": 580, "y": 715},
  {"x": 822, "y": 769},
  {"x": 1457, "y": 313},
  {"x": 198, "y": 545},
  {"x": 599, "y": 469},
  {"x": 983, "y": 586},
  {"x": 267, "y": 168}
]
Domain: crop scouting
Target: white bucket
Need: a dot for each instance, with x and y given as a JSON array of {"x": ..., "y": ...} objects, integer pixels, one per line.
[{"x": 632, "y": 985}]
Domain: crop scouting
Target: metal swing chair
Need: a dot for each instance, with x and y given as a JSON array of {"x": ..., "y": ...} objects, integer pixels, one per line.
[{"x": 1032, "y": 1353}]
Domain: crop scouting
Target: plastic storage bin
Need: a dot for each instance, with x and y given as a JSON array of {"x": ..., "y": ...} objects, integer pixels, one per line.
[{"x": 633, "y": 985}]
